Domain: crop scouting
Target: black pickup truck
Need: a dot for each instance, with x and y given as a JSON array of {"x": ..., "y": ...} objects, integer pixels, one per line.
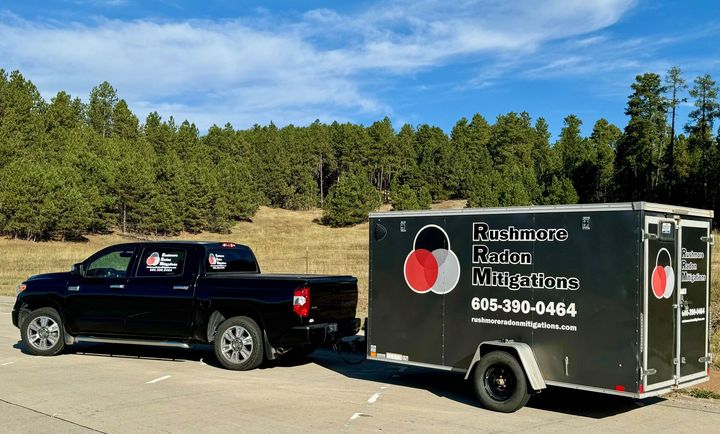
[{"x": 179, "y": 293}]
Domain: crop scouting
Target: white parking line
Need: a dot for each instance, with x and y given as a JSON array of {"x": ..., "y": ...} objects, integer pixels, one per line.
[
  {"x": 6, "y": 363},
  {"x": 158, "y": 379},
  {"x": 373, "y": 398}
]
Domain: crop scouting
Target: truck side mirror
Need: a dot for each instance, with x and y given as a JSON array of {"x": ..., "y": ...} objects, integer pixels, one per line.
[{"x": 77, "y": 269}]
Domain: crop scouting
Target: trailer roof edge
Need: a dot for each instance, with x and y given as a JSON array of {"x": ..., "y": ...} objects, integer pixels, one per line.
[
  {"x": 624, "y": 206},
  {"x": 672, "y": 209}
]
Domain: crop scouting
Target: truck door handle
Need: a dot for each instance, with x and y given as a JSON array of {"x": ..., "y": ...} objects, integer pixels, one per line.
[
  {"x": 181, "y": 287},
  {"x": 117, "y": 286}
]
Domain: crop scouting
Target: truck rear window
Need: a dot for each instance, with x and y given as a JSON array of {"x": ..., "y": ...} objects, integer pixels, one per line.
[{"x": 238, "y": 259}]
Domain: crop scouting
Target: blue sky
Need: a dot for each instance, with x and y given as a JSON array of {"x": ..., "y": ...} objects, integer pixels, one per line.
[{"x": 421, "y": 61}]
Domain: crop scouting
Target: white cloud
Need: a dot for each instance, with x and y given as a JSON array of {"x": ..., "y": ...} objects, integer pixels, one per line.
[{"x": 317, "y": 65}]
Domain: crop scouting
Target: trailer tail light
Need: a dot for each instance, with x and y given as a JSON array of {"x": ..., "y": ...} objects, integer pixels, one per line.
[
  {"x": 620, "y": 388},
  {"x": 227, "y": 245},
  {"x": 301, "y": 301},
  {"x": 642, "y": 389}
]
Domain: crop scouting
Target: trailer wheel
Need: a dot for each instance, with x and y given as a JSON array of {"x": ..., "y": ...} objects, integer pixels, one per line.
[
  {"x": 500, "y": 382},
  {"x": 239, "y": 344}
]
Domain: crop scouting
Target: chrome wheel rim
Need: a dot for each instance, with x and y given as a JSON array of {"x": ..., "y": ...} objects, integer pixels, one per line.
[
  {"x": 236, "y": 344},
  {"x": 43, "y": 333}
]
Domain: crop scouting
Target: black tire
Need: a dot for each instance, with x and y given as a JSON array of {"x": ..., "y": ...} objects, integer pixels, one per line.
[
  {"x": 298, "y": 354},
  {"x": 234, "y": 350},
  {"x": 42, "y": 332},
  {"x": 500, "y": 382}
]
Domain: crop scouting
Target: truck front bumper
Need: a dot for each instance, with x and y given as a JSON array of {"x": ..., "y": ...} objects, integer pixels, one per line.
[{"x": 318, "y": 334}]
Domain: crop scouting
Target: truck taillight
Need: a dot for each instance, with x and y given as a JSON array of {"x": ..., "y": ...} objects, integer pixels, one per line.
[{"x": 301, "y": 301}]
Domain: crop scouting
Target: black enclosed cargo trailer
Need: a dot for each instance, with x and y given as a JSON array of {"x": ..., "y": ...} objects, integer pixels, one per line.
[{"x": 610, "y": 298}]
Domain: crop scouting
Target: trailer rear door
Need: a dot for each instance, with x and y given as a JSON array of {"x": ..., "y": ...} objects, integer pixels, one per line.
[
  {"x": 660, "y": 298},
  {"x": 694, "y": 299},
  {"x": 675, "y": 319}
]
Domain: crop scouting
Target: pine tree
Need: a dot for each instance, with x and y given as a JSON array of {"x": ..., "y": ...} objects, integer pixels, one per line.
[
  {"x": 675, "y": 85},
  {"x": 350, "y": 199},
  {"x": 124, "y": 122},
  {"x": 408, "y": 191},
  {"x": 469, "y": 149},
  {"x": 640, "y": 150},
  {"x": 603, "y": 140},
  {"x": 103, "y": 99},
  {"x": 701, "y": 141}
]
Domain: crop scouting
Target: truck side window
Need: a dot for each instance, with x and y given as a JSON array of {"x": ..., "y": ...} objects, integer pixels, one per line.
[
  {"x": 238, "y": 259},
  {"x": 161, "y": 262},
  {"x": 112, "y": 264}
]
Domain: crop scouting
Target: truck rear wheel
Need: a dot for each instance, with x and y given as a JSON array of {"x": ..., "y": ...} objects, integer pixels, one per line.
[
  {"x": 239, "y": 344},
  {"x": 500, "y": 382},
  {"x": 42, "y": 332}
]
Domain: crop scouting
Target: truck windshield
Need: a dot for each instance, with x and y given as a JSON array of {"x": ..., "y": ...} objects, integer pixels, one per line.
[{"x": 229, "y": 260}]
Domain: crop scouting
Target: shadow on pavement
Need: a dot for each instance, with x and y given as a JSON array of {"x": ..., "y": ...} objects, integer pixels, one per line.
[
  {"x": 451, "y": 385},
  {"x": 198, "y": 353}
]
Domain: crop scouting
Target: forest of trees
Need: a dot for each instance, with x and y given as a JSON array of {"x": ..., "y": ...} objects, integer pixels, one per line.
[{"x": 69, "y": 167}]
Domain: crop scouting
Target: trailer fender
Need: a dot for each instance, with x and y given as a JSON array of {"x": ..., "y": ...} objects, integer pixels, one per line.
[{"x": 522, "y": 351}]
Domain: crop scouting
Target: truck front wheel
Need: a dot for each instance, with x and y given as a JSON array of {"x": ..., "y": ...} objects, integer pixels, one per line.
[
  {"x": 42, "y": 332},
  {"x": 239, "y": 344},
  {"x": 500, "y": 382}
]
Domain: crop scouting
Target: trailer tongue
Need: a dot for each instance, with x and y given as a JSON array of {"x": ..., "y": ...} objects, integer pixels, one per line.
[{"x": 610, "y": 298}]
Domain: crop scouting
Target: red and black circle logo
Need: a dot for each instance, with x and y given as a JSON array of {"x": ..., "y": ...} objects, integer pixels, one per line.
[
  {"x": 153, "y": 259},
  {"x": 663, "y": 277},
  {"x": 432, "y": 265}
]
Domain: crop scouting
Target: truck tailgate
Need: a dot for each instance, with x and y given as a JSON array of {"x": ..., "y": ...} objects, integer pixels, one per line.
[{"x": 333, "y": 298}]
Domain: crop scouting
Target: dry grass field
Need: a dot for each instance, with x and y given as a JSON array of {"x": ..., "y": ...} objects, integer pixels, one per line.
[{"x": 284, "y": 241}]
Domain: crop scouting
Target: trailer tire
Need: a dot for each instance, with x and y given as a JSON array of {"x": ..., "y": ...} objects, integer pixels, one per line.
[
  {"x": 239, "y": 344},
  {"x": 500, "y": 382}
]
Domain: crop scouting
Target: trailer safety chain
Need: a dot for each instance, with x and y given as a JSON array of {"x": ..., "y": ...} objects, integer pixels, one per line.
[{"x": 342, "y": 352}]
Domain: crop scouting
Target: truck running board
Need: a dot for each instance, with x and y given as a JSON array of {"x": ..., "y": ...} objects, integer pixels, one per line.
[{"x": 95, "y": 340}]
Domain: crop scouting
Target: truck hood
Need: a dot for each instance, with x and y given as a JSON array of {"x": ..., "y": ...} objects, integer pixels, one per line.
[{"x": 49, "y": 276}]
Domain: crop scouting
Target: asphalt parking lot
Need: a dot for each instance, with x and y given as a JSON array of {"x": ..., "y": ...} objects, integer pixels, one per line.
[{"x": 131, "y": 389}]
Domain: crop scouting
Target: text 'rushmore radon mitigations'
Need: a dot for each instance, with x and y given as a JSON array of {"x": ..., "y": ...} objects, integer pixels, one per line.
[{"x": 483, "y": 254}]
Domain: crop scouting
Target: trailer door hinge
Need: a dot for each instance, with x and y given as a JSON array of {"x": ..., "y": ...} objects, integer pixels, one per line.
[
  {"x": 676, "y": 361},
  {"x": 710, "y": 239},
  {"x": 706, "y": 359},
  {"x": 648, "y": 372}
]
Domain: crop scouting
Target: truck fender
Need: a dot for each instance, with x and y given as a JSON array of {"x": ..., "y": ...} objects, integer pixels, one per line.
[{"x": 524, "y": 354}]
